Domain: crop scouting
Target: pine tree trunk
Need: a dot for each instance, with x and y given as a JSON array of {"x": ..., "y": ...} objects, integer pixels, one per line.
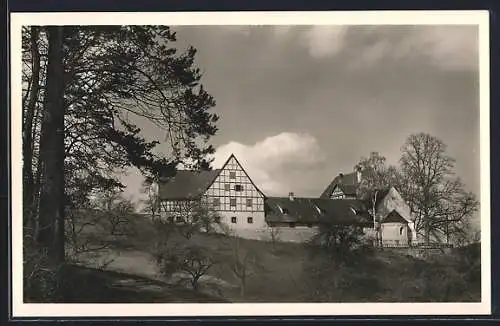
[
  {"x": 28, "y": 181},
  {"x": 51, "y": 227}
]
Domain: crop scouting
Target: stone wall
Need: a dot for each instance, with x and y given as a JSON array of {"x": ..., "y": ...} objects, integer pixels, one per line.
[
  {"x": 421, "y": 252},
  {"x": 297, "y": 234}
]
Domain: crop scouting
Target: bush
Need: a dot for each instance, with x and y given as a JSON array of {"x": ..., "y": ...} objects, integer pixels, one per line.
[
  {"x": 191, "y": 260},
  {"x": 339, "y": 241}
]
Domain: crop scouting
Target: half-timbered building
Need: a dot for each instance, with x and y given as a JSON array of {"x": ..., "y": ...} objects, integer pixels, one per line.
[
  {"x": 228, "y": 191},
  {"x": 244, "y": 209}
]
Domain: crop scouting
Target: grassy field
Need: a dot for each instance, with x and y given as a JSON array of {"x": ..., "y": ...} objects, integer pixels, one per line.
[{"x": 285, "y": 272}]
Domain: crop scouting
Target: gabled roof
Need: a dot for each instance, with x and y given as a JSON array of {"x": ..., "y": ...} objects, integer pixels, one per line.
[
  {"x": 348, "y": 190},
  {"x": 380, "y": 195},
  {"x": 187, "y": 184},
  {"x": 394, "y": 217},
  {"x": 346, "y": 182},
  {"x": 315, "y": 210},
  {"x": 349, "y": 185},
  {"x": 244, "y": 171}
]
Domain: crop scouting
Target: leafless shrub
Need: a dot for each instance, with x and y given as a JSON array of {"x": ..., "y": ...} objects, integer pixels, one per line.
[{"x": 192, "y": 261}]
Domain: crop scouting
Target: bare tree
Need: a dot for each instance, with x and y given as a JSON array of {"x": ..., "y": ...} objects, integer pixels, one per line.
[
  {"x": 243, "y": 263},
  {"x": 196, "y": 262},
  {"x": 191, "y": 260},
  {"x": 437, "y": 198},
  {"x": 116, "y": 211},
  {"x": 151, "y": 201},
  {"x": 191, "y": 217},
  {"x": 275, "y": 235},
  {"x": 377, "y": 176},
  {"x": 119, "y": 217}
]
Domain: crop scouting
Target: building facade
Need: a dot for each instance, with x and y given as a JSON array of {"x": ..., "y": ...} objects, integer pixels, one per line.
[
  {"x": 395, "y": 222},
  {"x": 245, "y": 211},
  {"x": 229, "y": 192}
]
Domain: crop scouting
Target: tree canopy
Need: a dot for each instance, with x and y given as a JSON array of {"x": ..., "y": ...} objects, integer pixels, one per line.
[
  {"x": 84, "y": 89},
  {"x": 426, "y": 179}
]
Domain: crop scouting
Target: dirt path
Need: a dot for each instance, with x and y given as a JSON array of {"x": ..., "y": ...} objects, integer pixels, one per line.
[
  {"x": 97, "y": 286},
  {"x": 141, "y": 264}
]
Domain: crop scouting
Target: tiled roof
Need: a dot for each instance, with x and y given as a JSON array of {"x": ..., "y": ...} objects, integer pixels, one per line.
[
  {"x": 346, "y": 182},
  {"x": 349, "y": 185},
  {"x": 394, "y": 217},
  {"x": 187, "y": 184},
  {"x": 348, "y": 190},
  {"x": 313, "y": 210},
  {"x": 381, "y": 194}
]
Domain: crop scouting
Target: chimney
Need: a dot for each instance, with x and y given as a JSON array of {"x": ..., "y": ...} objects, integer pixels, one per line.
[
  {"x": 290, "y": 196},
  {"x": 341, "y": 176}
]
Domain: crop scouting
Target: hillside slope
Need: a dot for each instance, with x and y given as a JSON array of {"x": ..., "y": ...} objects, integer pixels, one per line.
[{"x": 287, "y": 272}]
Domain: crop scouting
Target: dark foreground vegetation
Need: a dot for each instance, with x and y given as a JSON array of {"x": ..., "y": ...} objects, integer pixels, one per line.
[{"x": 255, "y": 271}]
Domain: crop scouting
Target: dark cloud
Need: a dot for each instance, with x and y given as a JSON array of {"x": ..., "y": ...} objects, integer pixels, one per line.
[{"x": 355, "y": 90}]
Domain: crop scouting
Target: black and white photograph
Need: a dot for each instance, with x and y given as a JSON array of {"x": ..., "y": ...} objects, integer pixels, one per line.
[{"x": 250, "y": 163}]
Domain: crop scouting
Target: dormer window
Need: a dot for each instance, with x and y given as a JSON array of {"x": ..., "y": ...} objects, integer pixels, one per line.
[
  {"x": 353, "y": 210},
  {"x": 283, "y": 210},
  {"x": 318, "y": 209}
]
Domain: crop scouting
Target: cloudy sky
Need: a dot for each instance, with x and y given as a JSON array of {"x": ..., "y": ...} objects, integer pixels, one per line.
[{"x": 299, "y": 104}]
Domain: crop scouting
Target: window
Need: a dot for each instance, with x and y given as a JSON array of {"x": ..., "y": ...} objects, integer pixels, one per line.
[
  {"x": 179, "y": 219},
  {"x": 292, "y": 225},
  {"x": 283, "y": 210},
  {"x": 170, "y": 219},
  {"x": 217, "y": 219},
  {"x": 233, "y": 219},
  {"x": 238, "y": 188},
  {"x": 250, "y": 220},
  {"x": 232, "y": 202},
  {"x": 249, "y": 202},
  {"x": 401, "y": 231},
  {"x": 232, "y": 175},
  {"x": 227, "y": 187},
  {"x": 216, "y": 202}
]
